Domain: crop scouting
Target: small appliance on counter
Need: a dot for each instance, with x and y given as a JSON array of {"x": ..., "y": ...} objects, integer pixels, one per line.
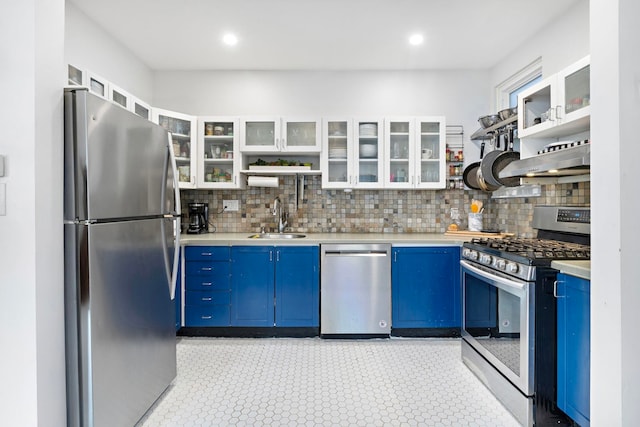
[{"x": 198, "y": 218}]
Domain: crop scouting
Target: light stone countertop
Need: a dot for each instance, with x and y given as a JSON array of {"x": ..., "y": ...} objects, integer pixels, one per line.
[
  {"x": 396, "y": 239},
  {"x": 580, "y": 269}
]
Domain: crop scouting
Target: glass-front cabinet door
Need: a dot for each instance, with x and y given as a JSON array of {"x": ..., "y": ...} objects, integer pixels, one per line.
[
  {"x": 337, "y": 154},
  {"x": 182, "y": 128},
  {"x": 399, "y": 153},
  {"x": 537, "y": 107},
  {"x": 574, "y": 85},
  {"x": 429, "y": 152},
  {"x": 560, "y": 105},
  {"x": 260, "y": 135},
  {"x": 368, "y": 154},
  {"x": 219, "y": 160},
  {"x": 300, "y": 135}
]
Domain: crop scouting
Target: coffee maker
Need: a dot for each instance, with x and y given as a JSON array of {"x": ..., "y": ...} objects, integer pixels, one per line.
[{"x": 198, "y": 218}]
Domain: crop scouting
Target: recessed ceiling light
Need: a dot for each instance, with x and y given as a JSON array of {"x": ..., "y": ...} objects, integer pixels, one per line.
[
  {"x": 416, "y": 39},
  {"x": 230, "y": 39}
]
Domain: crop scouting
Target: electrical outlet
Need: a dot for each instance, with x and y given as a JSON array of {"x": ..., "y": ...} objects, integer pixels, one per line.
[{"x": 231, "y": 205}]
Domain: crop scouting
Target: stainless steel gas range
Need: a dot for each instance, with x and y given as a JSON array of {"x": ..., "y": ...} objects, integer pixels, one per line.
[{"x": 509, "y": 311}]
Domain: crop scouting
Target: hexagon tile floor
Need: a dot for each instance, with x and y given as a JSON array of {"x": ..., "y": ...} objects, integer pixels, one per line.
[{"x": 318, "y": 382}]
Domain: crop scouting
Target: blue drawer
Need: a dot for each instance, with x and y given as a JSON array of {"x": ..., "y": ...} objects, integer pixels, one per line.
[
  {"x": 207, "y": 253},
  {"x": 198, "y": 315},
  {"x": 207, "y": 298},
  {"x": 207, "y": 268},
  {"x": 208, "y": 283}
]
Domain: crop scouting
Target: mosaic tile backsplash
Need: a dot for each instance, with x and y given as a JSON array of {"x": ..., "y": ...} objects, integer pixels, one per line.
[{"x": 375, "y": 211}]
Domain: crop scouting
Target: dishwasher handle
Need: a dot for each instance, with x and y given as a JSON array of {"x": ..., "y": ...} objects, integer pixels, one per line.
[{"x": 373, "y": 253}]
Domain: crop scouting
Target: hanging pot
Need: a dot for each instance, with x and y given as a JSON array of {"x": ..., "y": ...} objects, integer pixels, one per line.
[
  {"x": 485, "y": 175},
  {"x": 470, "y": 174},
  {"x": 503, "y": 160}
]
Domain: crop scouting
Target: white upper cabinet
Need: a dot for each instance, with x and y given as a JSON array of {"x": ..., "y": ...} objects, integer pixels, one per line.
[
  {"x": 414, "y": 152},
  {"x": 182, "y": 128},
  {"x": 399, "y": 153},
  {"x": 75, "y": 76},
  {"x": 337, "y": 160},
  {"x": 277, "y": 135},
  {"x": 557, "y": 106},
  {"x": 218, "y": 153},
  {"x": 368, "y": 153},
  {"x": 97, "y": 85},
  {"x": 430, "y": 150},
  {"x": 119, "y": 96},
  {"x": 140, "y": 108}
]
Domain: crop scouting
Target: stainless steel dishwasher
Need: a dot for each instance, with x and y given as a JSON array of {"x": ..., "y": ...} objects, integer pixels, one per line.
[{"x": 355, "y": 290}]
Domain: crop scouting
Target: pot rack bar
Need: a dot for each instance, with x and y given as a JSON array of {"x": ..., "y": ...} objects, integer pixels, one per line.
[{"x": 488, "y": 133}]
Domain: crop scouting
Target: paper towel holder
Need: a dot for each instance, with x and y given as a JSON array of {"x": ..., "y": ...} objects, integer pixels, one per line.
[{"x": 263, "y": 181}]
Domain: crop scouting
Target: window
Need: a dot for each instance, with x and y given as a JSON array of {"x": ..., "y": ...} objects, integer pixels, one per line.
[
  {"x": 507, "y": 91},
  {"x": 513, "y": 96}
]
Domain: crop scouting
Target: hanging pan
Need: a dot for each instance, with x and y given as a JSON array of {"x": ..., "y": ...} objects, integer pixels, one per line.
[
  {"x": 503, "y": 160},
  {"x": 470, "y": 174},
  {"x": 485, "y": 178}
]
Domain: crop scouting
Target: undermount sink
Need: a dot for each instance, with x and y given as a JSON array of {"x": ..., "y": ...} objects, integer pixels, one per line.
[{"x": 277, "y": 236}]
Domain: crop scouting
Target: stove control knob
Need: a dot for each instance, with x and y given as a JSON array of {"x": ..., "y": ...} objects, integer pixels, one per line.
[
  {"x": 513, "y": 268},
  {"x": 471, "y": 254},
  {"x": 486, "y": 259},
  {"x": 501, "y": 264}
]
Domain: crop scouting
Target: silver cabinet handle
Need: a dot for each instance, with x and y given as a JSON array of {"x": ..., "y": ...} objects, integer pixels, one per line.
[
  {"x": 206, "y": 269},
  {"x": 206, "y": 283},
  {"x": 555, "y": 289},
  {"x": 207, "y": 298},
  {"x": 206, "y": 317},
  {"x": 205, "y": 253}
]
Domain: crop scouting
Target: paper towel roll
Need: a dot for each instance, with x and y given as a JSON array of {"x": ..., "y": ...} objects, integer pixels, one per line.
[{"x": 262, "y": 181}]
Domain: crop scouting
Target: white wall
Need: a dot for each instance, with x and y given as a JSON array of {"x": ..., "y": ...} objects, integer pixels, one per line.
[
  {"x": 615, "y": 277},
  {"x": 459, "y": 95},
  {"x": 560, "y": 43},
  {"x": 31, "y": 272},
  {"x": 89, "y": 46}
]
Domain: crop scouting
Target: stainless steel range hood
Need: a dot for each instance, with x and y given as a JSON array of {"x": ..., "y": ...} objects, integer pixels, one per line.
[{"x": 566, "y": 162}]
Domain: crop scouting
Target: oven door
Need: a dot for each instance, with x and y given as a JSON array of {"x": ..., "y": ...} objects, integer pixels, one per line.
[{"x": 497, "y": 321}]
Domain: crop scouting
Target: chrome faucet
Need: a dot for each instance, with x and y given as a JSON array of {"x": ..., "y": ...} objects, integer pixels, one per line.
[{"x": 279, "y": 213}]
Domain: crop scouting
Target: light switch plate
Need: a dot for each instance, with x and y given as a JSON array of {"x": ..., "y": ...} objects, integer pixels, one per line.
[
  {"x": 3, "y": 199},
  {"x": 231, "y": 205},
  {"x": 1, "y": 165}
]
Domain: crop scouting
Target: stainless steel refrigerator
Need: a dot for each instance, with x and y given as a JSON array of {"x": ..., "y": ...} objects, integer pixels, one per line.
[{"x": 121, "y": 227}]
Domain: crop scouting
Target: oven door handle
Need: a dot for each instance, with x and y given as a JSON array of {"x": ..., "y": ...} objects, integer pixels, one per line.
[{"x": 506, "y": 283}]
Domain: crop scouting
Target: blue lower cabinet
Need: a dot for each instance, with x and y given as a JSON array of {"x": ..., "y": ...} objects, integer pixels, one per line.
[
  {"x": 252, "y": 285},
  {"x": 574, "y": 359},
  {"x": 275, "y": 286},
  {"x": 177, "y": 297},
  {"x": 426, "y": 287},
  {"x": 207, "y": 286},
  {"x": 297, "y": 286}
]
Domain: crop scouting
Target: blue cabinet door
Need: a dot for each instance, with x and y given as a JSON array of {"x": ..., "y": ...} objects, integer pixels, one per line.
[
  {"x": 426, "y": 287},
  {"x": 574, "y": 359},
  {"x": 178, "y": 294},
  {"x": 297, "y": 286},
  {"x": 252, "y": 285}
]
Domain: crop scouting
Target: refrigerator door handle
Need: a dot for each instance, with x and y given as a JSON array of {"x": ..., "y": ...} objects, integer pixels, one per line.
[{"x": 172, "y": 268}]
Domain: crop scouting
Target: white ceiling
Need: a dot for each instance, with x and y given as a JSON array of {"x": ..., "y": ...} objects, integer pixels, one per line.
[{"x": 321, "y": 34}]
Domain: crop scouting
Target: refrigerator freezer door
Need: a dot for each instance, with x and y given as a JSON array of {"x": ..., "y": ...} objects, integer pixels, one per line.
[
  {"x": 113, "y": 161},
  {"x": 117, "y": 295}
]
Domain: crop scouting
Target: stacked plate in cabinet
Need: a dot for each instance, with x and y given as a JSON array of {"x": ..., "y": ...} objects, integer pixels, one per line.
[
  {"x": 338, "y": 153},
  {"x": 368, "y": 129}
]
